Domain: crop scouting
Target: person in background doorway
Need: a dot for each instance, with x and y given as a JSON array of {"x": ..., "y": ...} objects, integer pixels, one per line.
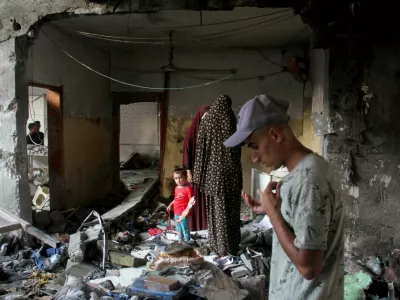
[
  {"x": 183, "y": 194},
  {"x": 40, "y": 134},
  {"x": 199, "y": 219},
  {"x": 33, "y": 138},
  {"x": 218, "y": 172},
  {"x": 306, "y": 210}
]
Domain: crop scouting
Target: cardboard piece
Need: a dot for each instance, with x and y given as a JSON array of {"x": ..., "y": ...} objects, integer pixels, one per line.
[{"x": 161, "y": 283}]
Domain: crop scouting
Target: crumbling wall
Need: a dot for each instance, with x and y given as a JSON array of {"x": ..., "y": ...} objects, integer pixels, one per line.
[
  {"x": 14, "y": 189},
  {"x": 363, "y": 135},
  {"x": 17, "y": 17},
  {"x": 87, "y": 114}
]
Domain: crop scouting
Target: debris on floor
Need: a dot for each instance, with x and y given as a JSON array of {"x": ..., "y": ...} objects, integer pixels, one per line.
[
  {"x": 131, "y": 256},
  {"x": 373, "y": 278}
]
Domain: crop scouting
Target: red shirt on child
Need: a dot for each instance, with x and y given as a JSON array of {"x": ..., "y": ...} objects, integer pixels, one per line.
[{"x": 182, "y": 197}]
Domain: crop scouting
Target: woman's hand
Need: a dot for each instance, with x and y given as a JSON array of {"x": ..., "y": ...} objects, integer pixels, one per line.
[{"x": 189, "y": 176}]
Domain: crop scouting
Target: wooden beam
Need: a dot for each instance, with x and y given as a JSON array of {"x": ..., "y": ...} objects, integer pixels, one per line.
[
  {"x": 10, "y": 227},
  {"x": 30, "y": 229}
]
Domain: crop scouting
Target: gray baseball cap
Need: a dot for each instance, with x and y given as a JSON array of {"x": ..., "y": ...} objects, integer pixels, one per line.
[{"x": 256, "y": 113}]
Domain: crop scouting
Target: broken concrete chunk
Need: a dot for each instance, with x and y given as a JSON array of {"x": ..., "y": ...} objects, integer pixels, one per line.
[
  {"x": 239, "y": 272},
  {"x": 125, "y": 259},
  {"x": 77, "y": 247},
  {"x": 93, "y": 233},
  {"x": 78, "y": 269},
  {"x": 255, "y": 286},
  {"x": 107, "y": 285}
]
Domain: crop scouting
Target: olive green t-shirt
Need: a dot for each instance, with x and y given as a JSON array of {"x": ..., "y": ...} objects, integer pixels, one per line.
[{"x": 313, "y": 210}]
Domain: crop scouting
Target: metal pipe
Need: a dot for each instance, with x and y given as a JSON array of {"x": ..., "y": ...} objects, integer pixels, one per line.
[{"x": 97, "y": 215}]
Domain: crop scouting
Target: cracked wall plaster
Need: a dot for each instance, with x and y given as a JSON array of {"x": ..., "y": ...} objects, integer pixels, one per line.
[{"x": 366, "y": 152}]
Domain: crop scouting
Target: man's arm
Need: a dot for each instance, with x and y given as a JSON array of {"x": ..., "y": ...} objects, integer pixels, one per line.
[
  {"x": 308, "y": 262},
  {"x": 306, "y": 246}
]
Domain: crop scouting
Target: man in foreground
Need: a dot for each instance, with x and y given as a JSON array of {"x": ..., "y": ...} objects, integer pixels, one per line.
[{"x": 306, "y": 211}]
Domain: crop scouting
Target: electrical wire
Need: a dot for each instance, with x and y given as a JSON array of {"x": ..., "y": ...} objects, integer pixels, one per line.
[
  {"x": 129, "y": 16},
  {"x": 158, "y": 88},
  {"x": 268, "y": 59},
  {"x": 234, "y": 79},
  {"x": 216, "y": 23},
  {"x": 241, "y": 30},
  {"x": 32, "y": 107},
  {"x": 126, "y": 39}
]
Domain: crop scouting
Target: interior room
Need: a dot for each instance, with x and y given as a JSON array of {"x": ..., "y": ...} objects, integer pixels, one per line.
[{"x": 124, "y": 70}]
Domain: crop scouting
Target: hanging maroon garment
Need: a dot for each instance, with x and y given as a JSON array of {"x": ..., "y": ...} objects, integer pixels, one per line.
[{"x": 198, "y": 221}]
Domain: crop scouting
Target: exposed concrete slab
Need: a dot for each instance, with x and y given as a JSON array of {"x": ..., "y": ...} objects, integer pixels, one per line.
[
  {"x": 77, "y": 247},
  {"x": 78, "y": 269},
  {"x": 143, "y": 192}
]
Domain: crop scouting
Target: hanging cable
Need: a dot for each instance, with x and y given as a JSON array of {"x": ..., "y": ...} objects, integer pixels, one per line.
[
  {"x": 217, "y": 23},
  {"x": 234, "y": 79},
  {"x": 194, "y": 41},
  {"x": 129, "y": 17},
  {"x": 124, "y": 39},
  {"x": 156, "y": 88},
  {"x": 267, "y": 58}
]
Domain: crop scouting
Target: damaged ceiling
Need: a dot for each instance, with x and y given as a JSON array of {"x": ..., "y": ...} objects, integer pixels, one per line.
[{"x": 239, "y": 28}]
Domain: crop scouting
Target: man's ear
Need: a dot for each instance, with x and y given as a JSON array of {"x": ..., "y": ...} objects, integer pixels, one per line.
[{"x": 276, "y": 133}]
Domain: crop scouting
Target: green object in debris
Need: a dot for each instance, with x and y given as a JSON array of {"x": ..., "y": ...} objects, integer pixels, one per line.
[
  {"x": 354, "y": 285},
  {"x": 125, "y": 259}
]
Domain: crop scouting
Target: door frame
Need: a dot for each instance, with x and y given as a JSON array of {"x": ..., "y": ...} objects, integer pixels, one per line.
[
  {"x": 55, "y": 155},
  {"x": 134, "y": 97}
]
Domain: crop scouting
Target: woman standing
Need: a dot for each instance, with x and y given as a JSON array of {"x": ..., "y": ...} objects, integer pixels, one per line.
[
  {"x": 218, "y": 172},
  {"x": 198, "y": 221}
]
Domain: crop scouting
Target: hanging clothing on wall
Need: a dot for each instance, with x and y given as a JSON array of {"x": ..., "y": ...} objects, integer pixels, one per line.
[
  {"x": 218, "y": 172},
  {"x": 198, "y": 221}
]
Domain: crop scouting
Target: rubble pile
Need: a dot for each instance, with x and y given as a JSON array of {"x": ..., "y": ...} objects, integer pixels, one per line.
[
  {"x": 133, "y": 257},
  {"x": 373, "y": 278}
]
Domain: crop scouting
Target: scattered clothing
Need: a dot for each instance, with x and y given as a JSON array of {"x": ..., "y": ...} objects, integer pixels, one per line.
[
  {"x": 155, "y": 231},
  {"x": 198, "y": 221},
  {"x": 218, "y": 172},
  {"x": 183, "y": 228},
  {"x": 50, "y": 261},
  {"x": 313, "y": 210}
]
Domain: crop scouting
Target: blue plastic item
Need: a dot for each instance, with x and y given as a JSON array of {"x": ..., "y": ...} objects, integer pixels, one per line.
[{"x": 138, "y": 288}]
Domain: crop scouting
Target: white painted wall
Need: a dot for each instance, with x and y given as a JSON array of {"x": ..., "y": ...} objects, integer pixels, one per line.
[
  {"x": 186, "y": 102},
  {"x": 139, "y": 130}
]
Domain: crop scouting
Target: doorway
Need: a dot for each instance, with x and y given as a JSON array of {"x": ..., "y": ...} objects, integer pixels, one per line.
[
  {"x": 139, "y": 135},
  {"x": 44, "y": 146}
]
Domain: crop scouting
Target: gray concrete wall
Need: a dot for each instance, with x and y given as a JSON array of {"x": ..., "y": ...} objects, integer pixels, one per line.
[
  {"x": 87, "y": 113},
  {"x": 14, "y": 189},
  {"x": 185, "y": 102},
  {"x": 363, "y": 142}
]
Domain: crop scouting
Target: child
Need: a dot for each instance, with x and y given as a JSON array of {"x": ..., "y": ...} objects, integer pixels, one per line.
[{"x": 183, "y": 193}]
